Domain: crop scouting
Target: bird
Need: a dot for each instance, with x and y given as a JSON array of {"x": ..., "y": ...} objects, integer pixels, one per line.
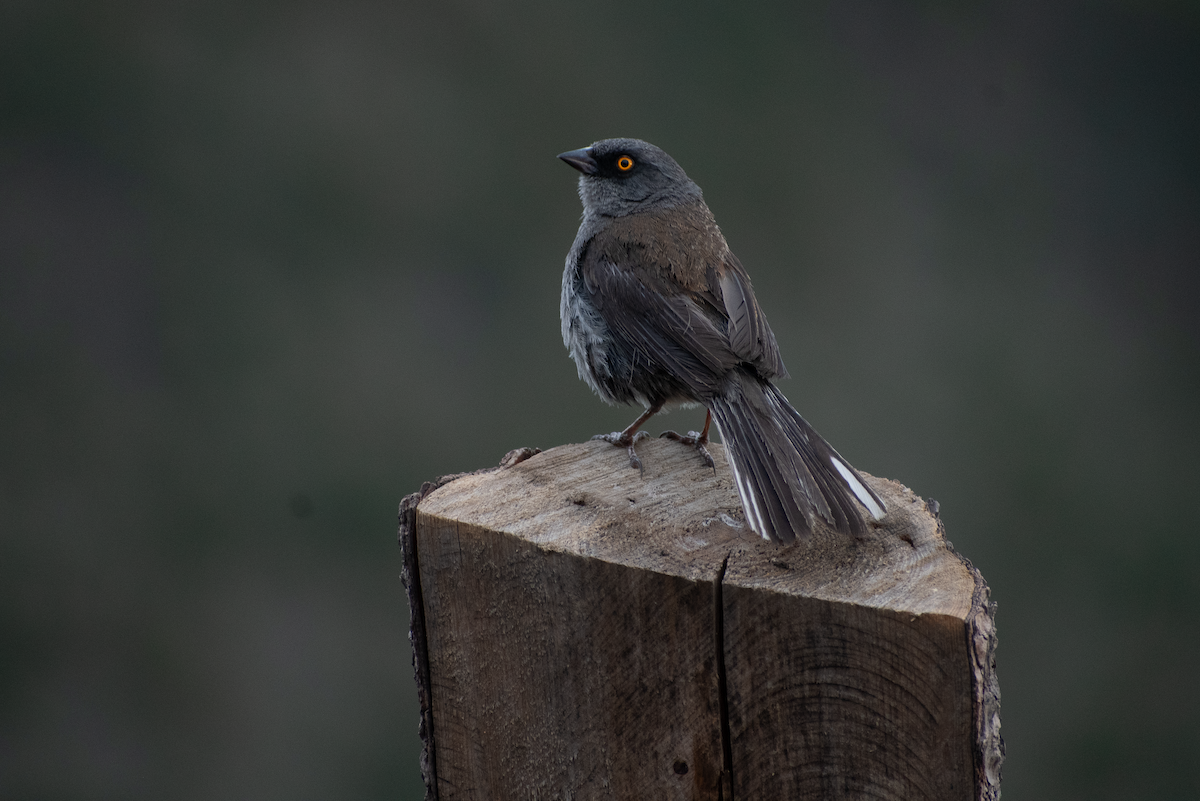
[{"x": 656, "y": 310}]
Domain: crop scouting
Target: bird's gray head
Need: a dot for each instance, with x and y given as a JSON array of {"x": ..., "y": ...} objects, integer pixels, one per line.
[{"x": 627, "y": 176}]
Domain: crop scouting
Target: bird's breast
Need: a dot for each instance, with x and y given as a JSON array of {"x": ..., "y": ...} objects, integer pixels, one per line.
[{"x": 586, "y": 335}]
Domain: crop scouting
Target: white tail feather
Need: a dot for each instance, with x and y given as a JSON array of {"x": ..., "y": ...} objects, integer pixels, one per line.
[
  {"x": 749, "y": 502},
  {"x": 858, "y": 489},
  {"x": 745, "y": 494}
]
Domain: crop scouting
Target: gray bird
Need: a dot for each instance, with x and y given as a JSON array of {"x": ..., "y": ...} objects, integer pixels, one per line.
[{"x": 657, "y": 310}]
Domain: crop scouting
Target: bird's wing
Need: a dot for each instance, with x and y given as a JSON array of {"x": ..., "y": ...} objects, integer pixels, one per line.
[
  {"x": 749, "y": 335},
  {"x": 669, "y": 326}
]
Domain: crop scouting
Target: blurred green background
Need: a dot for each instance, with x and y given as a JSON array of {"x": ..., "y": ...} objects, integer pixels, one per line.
[{"x": 266, "y": 267}]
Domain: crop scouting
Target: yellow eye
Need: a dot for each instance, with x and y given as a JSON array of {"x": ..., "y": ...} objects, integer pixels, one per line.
[{"x": 624, "y": 164}]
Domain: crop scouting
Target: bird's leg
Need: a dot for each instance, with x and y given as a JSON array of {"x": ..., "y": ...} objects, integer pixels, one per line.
[
  {"x": 630, "y": 436},
  {"x": 697, "y": 439}
]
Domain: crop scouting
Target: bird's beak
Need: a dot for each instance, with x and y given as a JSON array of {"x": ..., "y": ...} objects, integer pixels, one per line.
[{"x": 581, "y": 160}]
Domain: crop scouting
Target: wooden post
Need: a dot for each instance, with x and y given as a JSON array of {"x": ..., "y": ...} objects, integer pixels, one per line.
[{"x": 583, "y": 631}]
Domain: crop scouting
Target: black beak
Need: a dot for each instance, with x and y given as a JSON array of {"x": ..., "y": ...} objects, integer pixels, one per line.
[{"x": 581, "y": 160}]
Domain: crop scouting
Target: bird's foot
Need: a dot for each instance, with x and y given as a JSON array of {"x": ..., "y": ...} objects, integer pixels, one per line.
[
  {"x": 697, "y": 440},
  {"x": 624, "y": 439}
]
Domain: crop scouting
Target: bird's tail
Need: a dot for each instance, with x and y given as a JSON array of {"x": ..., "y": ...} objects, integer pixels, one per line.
[{"x": 786, "y": 473}]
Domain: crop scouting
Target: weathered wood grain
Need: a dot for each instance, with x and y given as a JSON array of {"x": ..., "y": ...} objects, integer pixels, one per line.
[{"x": 595, "y": 633}]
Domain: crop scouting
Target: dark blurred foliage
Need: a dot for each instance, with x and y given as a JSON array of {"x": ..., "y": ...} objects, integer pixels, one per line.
[{"x": 265, "y": 267}]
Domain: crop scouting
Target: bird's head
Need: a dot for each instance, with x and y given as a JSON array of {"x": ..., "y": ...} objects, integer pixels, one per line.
[{"x": 628, "y": 176}]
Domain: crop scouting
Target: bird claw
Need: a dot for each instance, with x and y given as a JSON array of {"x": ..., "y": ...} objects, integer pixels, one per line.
[
  {"x": 621, "y": 439},
  {"x": 697, "y": 441}
]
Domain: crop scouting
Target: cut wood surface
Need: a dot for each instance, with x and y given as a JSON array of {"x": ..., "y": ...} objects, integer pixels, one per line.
[{"x": 585, "y": 631}]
